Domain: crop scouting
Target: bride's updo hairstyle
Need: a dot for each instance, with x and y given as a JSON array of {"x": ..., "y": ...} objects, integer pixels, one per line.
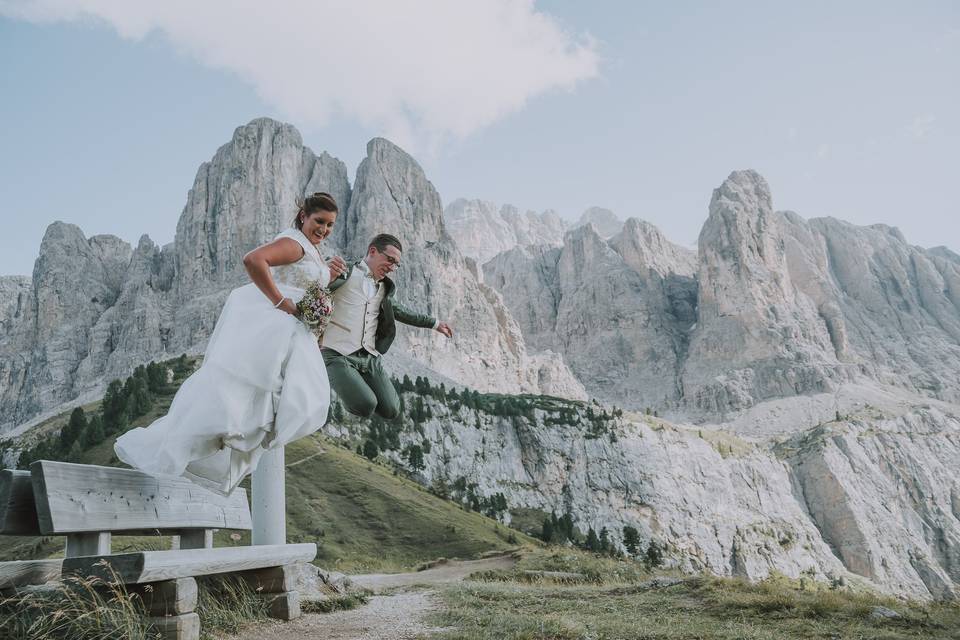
[{"x": 319, "y": 201}]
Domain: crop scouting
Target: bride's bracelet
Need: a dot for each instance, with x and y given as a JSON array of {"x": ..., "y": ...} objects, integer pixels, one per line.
[{"x": 277, "y": 306}]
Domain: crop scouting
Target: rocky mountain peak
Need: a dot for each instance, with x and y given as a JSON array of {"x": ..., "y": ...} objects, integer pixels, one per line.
[
  {"x": 945, "y": 253},
  {"x": 392, "y": 195},
  {"x": 605, "y": 221},
  {"x": 243, "y": 197},
  {"x": 481, "y": 229},
  {"x": 643, "y": 246},
  {"x": 396, "y": 198}
]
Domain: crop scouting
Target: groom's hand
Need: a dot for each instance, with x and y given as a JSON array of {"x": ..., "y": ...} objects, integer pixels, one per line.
[
  {"x": 337, "y": 267},
  {"x": 445, "y": 329}
]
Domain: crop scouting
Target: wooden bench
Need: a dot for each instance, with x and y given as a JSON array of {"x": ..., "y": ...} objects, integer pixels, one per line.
[{"x": 89, "y": 505}]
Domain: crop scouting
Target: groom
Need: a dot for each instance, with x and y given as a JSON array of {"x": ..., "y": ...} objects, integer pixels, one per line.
[{"x": 363, "y": 327}]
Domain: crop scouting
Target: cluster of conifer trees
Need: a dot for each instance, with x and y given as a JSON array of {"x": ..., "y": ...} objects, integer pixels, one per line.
[{"x": 123, "y": 402}]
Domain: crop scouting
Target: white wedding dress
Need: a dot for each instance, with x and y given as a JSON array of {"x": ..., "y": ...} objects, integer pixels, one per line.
[{"x": 262, "y": 384}]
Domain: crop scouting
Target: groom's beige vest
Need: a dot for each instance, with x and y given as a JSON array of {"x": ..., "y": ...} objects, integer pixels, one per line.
[{"x": 353, "y": 324}]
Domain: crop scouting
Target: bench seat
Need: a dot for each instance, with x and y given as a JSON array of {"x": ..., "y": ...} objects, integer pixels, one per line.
[{"x": 154, "y": 566}]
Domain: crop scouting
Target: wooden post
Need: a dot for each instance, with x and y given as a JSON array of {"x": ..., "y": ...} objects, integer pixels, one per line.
[
  {"x": 87, "y": 544},
  {"x": 193, "y": 539},
  {"x": 268, "y": 499}
]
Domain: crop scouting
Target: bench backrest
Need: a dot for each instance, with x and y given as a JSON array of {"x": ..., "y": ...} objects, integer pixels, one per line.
[{"x": 80, "y": 498}]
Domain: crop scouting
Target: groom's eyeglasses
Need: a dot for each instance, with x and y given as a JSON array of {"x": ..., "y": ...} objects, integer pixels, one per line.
[{"x": 394, "y": 262}]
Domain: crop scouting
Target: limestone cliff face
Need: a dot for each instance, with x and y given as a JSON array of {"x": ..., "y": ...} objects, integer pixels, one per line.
[
  {"x": 757, "y": 336},
  {"x": 871, "y": 498},
  {"x": 620, "y": 310},
  {"x": 75, "y": 280},
  {"x": 789, "y": 306},
  {"x": 883, "y": 491},
  {"x": 481, "y": 230},
  {"x": 96, "y": 308},
  {"x": 242, "y": 198},
  {"x": 392, "y": 195},
  {"x": 772, "y": 306}
]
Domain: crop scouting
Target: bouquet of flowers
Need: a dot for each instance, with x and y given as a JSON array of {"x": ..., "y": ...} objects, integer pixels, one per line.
[{"x": 315, "y": 308}]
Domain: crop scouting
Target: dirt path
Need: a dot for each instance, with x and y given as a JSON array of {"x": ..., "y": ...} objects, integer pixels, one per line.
[
  {"x": 395, "y": 616},
  {"x": 452, "y": 571}
]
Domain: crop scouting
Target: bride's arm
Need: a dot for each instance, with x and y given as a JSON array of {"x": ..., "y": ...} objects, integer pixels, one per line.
[{"x": 273, "y": 254}]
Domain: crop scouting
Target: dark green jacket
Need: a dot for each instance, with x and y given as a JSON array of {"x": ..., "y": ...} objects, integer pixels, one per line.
[{"x": 391, "y": 312}]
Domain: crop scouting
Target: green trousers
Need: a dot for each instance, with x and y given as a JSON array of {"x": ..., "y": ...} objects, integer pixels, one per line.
[{"x": 361, "y": 383}]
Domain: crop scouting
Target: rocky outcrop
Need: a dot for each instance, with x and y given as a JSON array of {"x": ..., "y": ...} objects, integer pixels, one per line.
[
  {"x": 393, "y": 195},
  {"x": 757, "y": 336},
  {"x": 606, "y": 222},
  {"x": 242, "y": 198},
  {"x": 871, "y": 499},
  {"x": 771, "y": 307},
  {"x": 789, "y": 306},
  {"x": 883, "y": 492},
  {"x": 619, "y": 310},
  {"x": 481, "y": 230},
  {"x": 15, "y": 298},
  {"x": 96, "y": 308}
]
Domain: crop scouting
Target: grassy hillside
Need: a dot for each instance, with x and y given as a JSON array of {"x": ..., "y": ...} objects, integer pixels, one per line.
[
  {"x": 363, "y": 516},
  {"x": 608, "y": 598}
]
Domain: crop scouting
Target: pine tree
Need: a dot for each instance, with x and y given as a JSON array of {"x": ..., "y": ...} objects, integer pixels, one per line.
[
  {"x": 94, "y": 433},
  {"x": 156, "y": 378},
  {"x": 593, "y": 542},
  {"x": 142, "y": 402},
  {"x": 182, "y": 366},
  {"x": 114, "y": 408},
  {"x": 70, "y": 433},
  {"x": 654, "y": 555},
  {"x": 415, "y": 457},
  {"x": 604, "y": 540},
  {"x": 421, "y": 386},
  {"x": 631, "y": 540},
  {"x": 370, "y": 450},
  {"x": 546, "y": 532}
]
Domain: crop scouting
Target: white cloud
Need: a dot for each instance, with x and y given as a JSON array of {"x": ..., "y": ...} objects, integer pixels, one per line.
[{"x": 419, "y": 71}]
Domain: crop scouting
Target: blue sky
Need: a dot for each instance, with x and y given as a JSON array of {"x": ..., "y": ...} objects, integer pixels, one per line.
[{"x": 848, "y": 109}]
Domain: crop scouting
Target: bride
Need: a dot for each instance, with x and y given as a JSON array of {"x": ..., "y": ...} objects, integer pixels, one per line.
[{"x": 263, "y": 382}]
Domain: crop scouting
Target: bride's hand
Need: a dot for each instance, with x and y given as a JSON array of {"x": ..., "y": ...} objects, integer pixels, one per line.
[
  {"x": 288, "y": 306},
  {"x": 337, "y": 267}
]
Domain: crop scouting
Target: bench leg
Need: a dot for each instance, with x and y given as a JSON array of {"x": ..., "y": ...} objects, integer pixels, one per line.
[
  {"x": 185, "y": 626},
  {"x": 167, "y": 598},
  {"x": 283, "y": 606},
  {"x": 170, "y": 607},
  {"x": 277, "y": 586}
]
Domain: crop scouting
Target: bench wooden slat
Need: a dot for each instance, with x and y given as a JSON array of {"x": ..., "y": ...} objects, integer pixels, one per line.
[
  {"x": 21, "y": 573},
  {"x": 18, "y": 513},
  {"x": 78, "y": 498},
  {"x": 153, "y": 566}
]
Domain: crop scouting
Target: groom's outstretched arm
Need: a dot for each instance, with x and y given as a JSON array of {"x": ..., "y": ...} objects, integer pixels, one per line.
[{"x": 406, "y": 316}]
